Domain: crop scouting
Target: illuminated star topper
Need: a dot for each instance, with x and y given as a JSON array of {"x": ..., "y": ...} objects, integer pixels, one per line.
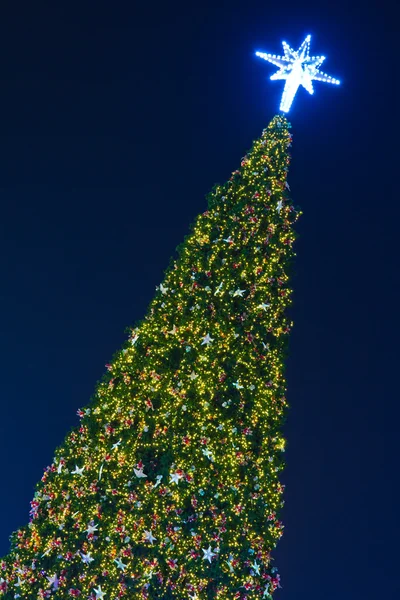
[{"x": 298, "y": 68}]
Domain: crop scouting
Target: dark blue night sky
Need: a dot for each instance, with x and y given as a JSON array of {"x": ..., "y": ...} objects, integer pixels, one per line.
[{"x": 116, "y": 120}]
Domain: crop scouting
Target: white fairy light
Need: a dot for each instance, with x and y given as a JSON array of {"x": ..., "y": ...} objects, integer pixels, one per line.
[{"x": 297, "y": 68}]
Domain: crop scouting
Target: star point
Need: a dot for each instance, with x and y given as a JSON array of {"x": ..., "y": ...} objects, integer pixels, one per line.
[
  {"x": 159, "y": 477},
  {"x": 53, "y": 581},
  {"x": 297, "y": 68},
  {"x": 237, "y": 385},
  {"x": 256, "y": 567},
  {"x": 207, "y": 340},
  {"x": 208, "y": 454},
  {"x": 139, "y": 473},
  {"x": 175, "y": 477},
  {"x": 263, "y": 305},
  {"x": 99, "y": 593},
  {"x": 87, "y": 558},
  {"x": 208, "y": 554},
  {"x": 91, "y": 528},
  {"x": 229, "y": 563},
  {"x": 238, "y": 292},
  {"x": 120, "y": 564},
  {"x": 219, "y": 288},
  {"x": 149, "y": 537},
  {"x": 78, "y": 470}
]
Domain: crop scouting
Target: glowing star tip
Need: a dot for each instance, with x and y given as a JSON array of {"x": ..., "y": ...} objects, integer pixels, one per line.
[{"x": 297, "y": 68}]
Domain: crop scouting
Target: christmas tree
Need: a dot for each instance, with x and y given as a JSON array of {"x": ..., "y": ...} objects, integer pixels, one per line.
[{"x": 169, "y": 487}]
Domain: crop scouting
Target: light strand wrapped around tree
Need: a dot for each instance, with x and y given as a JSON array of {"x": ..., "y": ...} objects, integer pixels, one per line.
[{"x": 169, "y": 487}]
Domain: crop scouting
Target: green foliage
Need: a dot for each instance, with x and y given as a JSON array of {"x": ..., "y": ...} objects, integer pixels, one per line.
[{"x": 169, "y": 486}]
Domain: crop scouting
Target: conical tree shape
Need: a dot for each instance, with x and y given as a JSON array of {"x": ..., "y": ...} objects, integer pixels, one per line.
[{"x": 169, "y": 487}]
